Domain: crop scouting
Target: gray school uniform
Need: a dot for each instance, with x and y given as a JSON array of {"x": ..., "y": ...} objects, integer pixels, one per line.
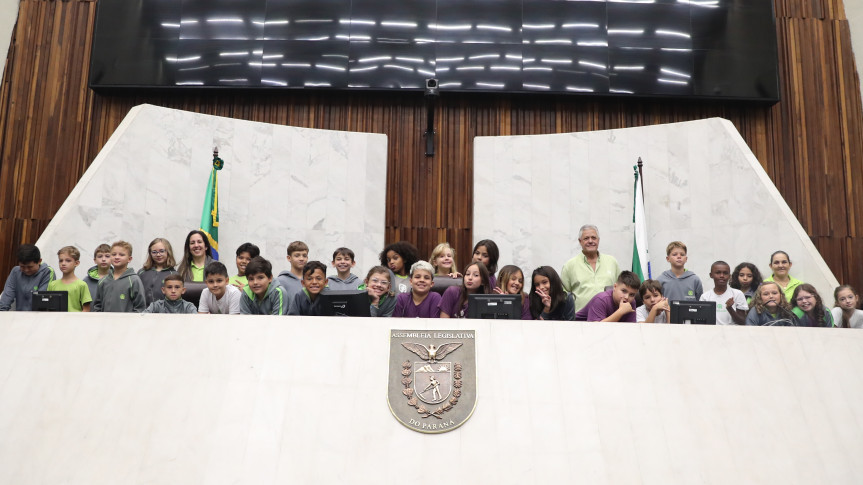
[
  {"x": 386, "y": 306},
  {"x": 352, "y": 282},
  {"x": 302, "y": 304},
  {"x": 20, "y": 287},
  {"x": 290, "y": 283},
  {"x": 687, "y": 287},
  {"x": 274, "y": 301},
  {"x": 92, "y": 280},
  {"x": 168, "y": 306},
  {"x": 152, "y": 280},
  {"x": 125, "y": 294}
]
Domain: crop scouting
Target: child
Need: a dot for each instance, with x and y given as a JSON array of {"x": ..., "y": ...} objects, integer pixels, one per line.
[
  {"x": 343, "y": 261},
  {"x": 102, "y": 258},
  {"x": 314, "y": 281},
  {"x": 122, "y": 290},
  {"x": 197, "y": 254},
  {"x": 443, "y": 260},
  {"x": 160, "y": 263},
  {"x": 487, "y": 253},
  {"x": 77, "y": 290},
  {"x": 245, "y": 253},
  {"x": 219, "y": 297},
  {"x": 548, "y": 300},
  {"x": 655, "y": 308},
  {"x": 614, "y": 305},
  {"x": 454, "y": 302},
  {"x": 399, "y": 257},
  {"x": 30, "y": 275},
  {"x": 846, "y": 314},
  {"x": 746, "y": 278},
  {"x": 172, "y": 289},
  {"x": 421, "y": 302},
  {"x": 780, "y": 263},
  {"x": 809, "y": 308},
  {"x": 292, "y": 279},
  {"x": 262, "y": 296},
  {"x": 381, "y": 300},
  {"x": 679, "y": 283},
  {"x": 731, "y": 306},
  {"x": 511, "y": 282},
  {"x": 769, "y": 307}
]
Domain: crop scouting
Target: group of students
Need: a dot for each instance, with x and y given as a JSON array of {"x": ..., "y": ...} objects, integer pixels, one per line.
[{"x": 401, "y": 286}]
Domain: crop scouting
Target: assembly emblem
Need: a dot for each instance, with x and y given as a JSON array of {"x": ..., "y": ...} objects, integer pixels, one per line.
[{"x": 432, "y": 378}]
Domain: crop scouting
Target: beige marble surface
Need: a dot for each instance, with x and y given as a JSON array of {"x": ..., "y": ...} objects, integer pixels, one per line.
[{"x": 108, "y": 399}]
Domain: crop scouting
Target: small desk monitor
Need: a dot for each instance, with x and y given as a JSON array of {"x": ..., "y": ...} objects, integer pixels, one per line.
[
  {"x": 50, "y": 301},
  {"x": 350, "y": 303},
  {"x": 693, "y": 312},
  {"x": 506, "y": 307},
  {"x": 441, "y": 283}
]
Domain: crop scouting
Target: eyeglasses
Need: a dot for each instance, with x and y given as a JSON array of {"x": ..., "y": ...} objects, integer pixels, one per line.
[
  {"x": 804, "y": 298},
  {"x": 158, "y": 252},
  {"x": 379, "y": 282}
]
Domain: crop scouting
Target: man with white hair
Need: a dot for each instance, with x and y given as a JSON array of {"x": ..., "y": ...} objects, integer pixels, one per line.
[{"x": 588, "y": 273}]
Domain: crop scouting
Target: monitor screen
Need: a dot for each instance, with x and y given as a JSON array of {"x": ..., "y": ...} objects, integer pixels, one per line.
[
  {"x": 506, "y": 307},
  {"x": 693, "y": 312},
  {"x": 50, "y": 301},
  {"x": 695, "y": 48},
  {"x": 349, "y": 303}
]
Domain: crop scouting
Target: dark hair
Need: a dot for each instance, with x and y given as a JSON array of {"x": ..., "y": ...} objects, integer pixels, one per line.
[
  {"x": 629, "y": 279},
  {"x": 28, "y": 253},
  {"x": 186, "y": 263},
  {"x": 409, "y": 253},
  {"x": 557, "y": 295},
  {"x": 779, "y": 252},
  {"x": 493, "y": 253},
  {"x": 845, "y": 320},
  {"x": 259, "y": 265},
  {"x": 102, "y": 248},
  {"x": 818, "y": 310},
  {"x": 311, "y": 266},
  {"x": 249, "y": 248},
  {"x": 484, "y": 287},
  {"x": 344, "y": 252},
  {"x": 173, "y": 277},
  {"x": 756, "y": 276},
  {"x": 215, "y": 268},
  {"x": 649, "y": 285}
]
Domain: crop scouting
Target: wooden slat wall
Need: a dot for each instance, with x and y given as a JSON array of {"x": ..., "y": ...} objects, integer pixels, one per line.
[{"x": 811, "y": 143}]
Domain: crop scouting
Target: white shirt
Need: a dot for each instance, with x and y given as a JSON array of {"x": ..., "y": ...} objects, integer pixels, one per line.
[
  {"x": 856, "y": 320},
  {"x": 642, "y": 312},
  {"x": 722, "y": 315},
  {"x": 228, "y": 304}
]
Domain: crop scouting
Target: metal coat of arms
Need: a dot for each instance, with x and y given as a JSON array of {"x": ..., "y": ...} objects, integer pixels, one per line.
[{"x": 432, "y": 380}]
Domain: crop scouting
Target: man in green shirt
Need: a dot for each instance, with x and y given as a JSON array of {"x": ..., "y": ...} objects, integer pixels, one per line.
[{"x": 588, "y": 273}]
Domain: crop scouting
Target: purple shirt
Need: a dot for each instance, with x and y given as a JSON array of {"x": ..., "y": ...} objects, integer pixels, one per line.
[
  {"x": 525, "y": 308},
  {"x": 601, "y": 307},
  {"x": 427, "y": 309},
  {"x": 449, "y": 303}
]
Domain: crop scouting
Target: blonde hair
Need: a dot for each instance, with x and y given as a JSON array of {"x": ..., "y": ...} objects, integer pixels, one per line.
[
  {"x": 674, "y": 245},
  {"x": 437, "y": 251},
  {"x": 758, "y": 303},
  {"x": 124, "y": 245},
  {"x": 71, "y": 251},
  {"x": 169, "y": 263}
]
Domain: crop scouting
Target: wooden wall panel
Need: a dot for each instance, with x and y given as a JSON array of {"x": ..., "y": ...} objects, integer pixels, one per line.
[{"x": 811, "y": 143}]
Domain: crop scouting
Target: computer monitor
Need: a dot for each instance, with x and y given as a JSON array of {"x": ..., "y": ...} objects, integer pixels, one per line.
[
  {"x": 441, "y": 283},
  {"x": 693, "y": 312},
  {"x": 350, "y": 303},
  {"x": 506, "y": 307},
  {"x": 50, "y": 301}
]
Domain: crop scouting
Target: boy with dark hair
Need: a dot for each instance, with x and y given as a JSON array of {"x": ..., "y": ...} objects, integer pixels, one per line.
[
  {"x": 292, "y": 279},
  {"x": 655, "y": 308},
  {"x": 678, "y": 283},
  {"x": 219, "y": 296},
  {"x": 314, "y": 282},
  {"x": 78, "y": 295},
  {"x": 122, "y": 289},
  {"x": 173, "y": 289},
  {"x": 343, "y": 261},
  {"x": 102, "y": 258},
  {"x": 262, "y": 296},
  {"x": 614, "y": 305},
  {"x": 30, "y": 275},
  {"x": 731, "y": 306},
  {"x": 245, "y": 253}
]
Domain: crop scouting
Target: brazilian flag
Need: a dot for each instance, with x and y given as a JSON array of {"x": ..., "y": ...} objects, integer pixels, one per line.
[{"x": 210, "y": 215}]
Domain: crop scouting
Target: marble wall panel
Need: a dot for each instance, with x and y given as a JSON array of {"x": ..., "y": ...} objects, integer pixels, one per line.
[
  {"x": 702, "y": 184},
  {"x": 279, "y": 184},
  {"x": 123, "y": 398}
]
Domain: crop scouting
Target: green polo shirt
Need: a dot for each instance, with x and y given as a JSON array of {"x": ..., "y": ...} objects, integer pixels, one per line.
[
  {"x": 788, "y": 290},
  {"x": 197, "y": 273},
  {"x": 584, "y": 282}
]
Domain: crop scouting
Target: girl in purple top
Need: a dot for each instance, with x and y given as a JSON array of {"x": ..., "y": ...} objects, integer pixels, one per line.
[
  {"x": 421, "y": 302},
  {"x": 453, "y": 304},
  {"x": 510, "y": 281},
  {"x": 486, "y": 252},
  {"x": 548, "y": 300}
]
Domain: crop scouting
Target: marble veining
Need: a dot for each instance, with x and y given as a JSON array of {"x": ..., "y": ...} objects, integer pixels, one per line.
[
  {"x": 279, "y": 184},
  {"x": 702, "y": 185}
]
